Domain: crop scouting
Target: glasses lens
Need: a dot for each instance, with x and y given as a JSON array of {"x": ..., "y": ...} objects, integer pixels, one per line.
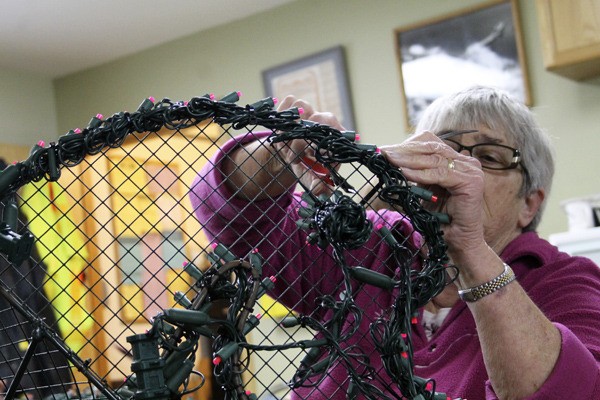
[{"x": 493, "y": 156}]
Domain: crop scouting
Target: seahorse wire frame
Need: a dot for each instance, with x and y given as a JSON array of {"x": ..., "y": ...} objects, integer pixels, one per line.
[{"x": 115, "y": 296}]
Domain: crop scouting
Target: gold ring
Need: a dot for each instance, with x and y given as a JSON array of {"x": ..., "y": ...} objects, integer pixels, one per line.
[{"x": 451, "y": 164}]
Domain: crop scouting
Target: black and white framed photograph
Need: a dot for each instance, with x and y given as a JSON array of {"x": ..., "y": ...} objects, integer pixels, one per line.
[
  {"x": 477, "y": 46},
  {"x": 320, "y": 79}
]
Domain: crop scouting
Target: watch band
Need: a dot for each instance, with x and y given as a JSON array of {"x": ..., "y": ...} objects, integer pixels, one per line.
[{"x": 478, "y": 292}]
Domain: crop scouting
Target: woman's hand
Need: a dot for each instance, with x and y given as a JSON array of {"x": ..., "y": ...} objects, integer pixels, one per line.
[
  {"x": 258, "y": 170},
  {"x": 299, "y": 155},
  {"x": 457, "y": 180}
]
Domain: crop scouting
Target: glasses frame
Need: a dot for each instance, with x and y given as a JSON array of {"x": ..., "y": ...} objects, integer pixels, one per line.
[{"x": 516, "y": 158}]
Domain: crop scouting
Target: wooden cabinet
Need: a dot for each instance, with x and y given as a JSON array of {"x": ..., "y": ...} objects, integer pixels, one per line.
[
  {"x": 131, "y": 207},
  {"x": 570, "y": 35},
  {"x": 142, "y": 228}
]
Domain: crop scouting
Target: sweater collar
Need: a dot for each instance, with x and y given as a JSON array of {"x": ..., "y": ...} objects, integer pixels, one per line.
[{"x": 529, "y": 245}]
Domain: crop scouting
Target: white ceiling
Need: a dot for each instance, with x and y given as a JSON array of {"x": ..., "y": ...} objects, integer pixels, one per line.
[{"x": 54, "y": 38}]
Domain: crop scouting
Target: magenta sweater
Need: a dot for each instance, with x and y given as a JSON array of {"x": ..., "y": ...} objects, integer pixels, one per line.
[{"x": 565, "y": 288}]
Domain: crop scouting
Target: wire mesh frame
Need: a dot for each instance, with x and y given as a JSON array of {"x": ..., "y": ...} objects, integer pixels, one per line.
[
  {"x": 100, "y": 185},
  {"x": 124, "y": 209}
]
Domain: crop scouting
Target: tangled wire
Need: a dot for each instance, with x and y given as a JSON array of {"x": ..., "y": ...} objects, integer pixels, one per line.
[
  {"x": 337, "y": 221},
  {"x": 342, "y": 224}
]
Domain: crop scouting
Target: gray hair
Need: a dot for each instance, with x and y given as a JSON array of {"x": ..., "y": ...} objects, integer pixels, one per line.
[{"x": 496, "y": 110}]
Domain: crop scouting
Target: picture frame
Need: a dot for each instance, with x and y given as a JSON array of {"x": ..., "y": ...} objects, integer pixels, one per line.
[
  {"x": 320, "y": 79},
  {"x": 481, "y": 45}
]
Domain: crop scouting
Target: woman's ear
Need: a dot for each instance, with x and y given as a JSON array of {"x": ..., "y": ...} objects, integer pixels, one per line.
[{"x": 531, "y": 205}]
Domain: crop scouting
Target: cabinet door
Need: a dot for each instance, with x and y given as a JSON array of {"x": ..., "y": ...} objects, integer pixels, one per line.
[
  {"x": 570, "y": 34},
  {"x": 141, "y": 229}
]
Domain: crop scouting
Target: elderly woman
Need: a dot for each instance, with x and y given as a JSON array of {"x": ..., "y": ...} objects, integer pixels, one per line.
[{"x": 522, "y": 320}]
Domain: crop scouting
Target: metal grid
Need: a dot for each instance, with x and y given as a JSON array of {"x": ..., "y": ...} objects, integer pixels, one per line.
[{"x": 117, "y": 252}]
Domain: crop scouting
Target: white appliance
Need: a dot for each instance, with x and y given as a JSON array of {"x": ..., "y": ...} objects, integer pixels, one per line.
[{"x": 582, "y": 242}]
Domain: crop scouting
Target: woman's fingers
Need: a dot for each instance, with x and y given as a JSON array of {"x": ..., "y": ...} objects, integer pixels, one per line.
[
  {"x": 309, "y": 113},
  {"x": 426, "y": 160},
  {"x": 456, "y": 178},
  {"x": 291, "y": 102}
]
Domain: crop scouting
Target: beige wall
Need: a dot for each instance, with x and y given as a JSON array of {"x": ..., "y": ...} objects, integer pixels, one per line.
[
  {"x": 27, "y": 108},
  {"x": 232, "y": 57}
]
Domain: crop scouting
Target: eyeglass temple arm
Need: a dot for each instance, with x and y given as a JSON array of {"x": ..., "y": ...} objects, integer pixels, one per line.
[{"x": 451, "y": 133}]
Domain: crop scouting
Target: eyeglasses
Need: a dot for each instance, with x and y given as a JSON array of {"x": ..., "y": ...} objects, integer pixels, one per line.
[{"x": 490, "y": 155}]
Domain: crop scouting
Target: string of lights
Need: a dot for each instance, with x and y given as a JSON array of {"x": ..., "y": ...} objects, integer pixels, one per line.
[{"x": 337, "y": 221}]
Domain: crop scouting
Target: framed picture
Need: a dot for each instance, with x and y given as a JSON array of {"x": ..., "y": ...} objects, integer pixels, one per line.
[
  {"x": 319, "y": 79},
  {"x": 478, "y": 46}
]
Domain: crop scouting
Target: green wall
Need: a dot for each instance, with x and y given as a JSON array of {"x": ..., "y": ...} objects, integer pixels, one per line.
[
  {"x": 232, "y": 57},
  {"x": 27, "y": 108}
]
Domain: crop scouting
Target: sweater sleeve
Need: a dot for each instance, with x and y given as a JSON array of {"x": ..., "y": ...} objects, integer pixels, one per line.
[
  {"x": 230, "y": 219},
  {"x": 268, "y": 226},
  {"x": 567, "y": 290},
  {"x": 304, "y": 272},
  {"x": 575, "y": 375}
]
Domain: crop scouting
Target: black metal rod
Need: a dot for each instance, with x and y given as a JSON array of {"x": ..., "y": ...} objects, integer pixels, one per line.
[
  {"x": 43, "y": 331},
  {"x": 36, "y": 337}
]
